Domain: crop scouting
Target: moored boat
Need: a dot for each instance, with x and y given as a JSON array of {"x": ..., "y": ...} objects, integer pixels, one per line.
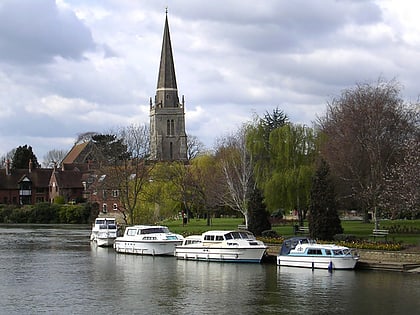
[
  {"x": 222, "y": 246},
  {"x": 147, "y": 240},
  {"x": 307, "y": 253},
  {"x": 104, "y": 231}
]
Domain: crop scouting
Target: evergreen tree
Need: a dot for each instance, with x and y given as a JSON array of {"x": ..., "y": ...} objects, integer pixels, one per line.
[
  {"x": 258, "y": 214},
  {"x": 22, "y": 156},
  {"x": 324, "y": 222},
  {"x": 109, "y": 149}
]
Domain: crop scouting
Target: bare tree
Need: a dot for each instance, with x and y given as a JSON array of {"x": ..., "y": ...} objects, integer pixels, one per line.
[
  {"x": 401, "y": 195},
  {"x": 236, "y": 164},
  {"x": 54, "y": 158},
  {"x": 194, "y": 147},
  {"x": 365, "y": 129},
  {"x": 130, "y": 171},
  {"x": 8, "y": 156}
]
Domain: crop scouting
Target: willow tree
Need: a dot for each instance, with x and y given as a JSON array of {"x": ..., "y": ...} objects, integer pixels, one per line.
[{"x": 292, "y": 156}]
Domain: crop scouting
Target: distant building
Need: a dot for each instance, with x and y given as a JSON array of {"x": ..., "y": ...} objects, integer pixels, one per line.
[{"x": 168, "y": 140}]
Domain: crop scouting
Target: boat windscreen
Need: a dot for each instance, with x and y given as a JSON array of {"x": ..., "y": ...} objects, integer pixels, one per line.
[
  {"x": 236, "y": 235},
  {"x": 246, "y": 235}
]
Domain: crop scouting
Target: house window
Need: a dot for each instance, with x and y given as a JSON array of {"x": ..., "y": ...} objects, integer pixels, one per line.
[
  {"x": 104, "y": 209},
  {"x": 115, "y": 207},
  {"x": 171, "y": 153},
  {"x": 115, "y": 193}
]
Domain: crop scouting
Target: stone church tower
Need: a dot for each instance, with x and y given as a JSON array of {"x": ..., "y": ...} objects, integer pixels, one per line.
[{"x": 168, "y": 140}]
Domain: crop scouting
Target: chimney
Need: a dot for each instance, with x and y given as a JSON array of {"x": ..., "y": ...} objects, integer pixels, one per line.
[
  {"x": 30, "y": 165},
  {"x": 7, "y": 167}
]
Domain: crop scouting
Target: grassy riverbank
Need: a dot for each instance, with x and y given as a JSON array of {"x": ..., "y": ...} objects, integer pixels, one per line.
[{"x": 406, "y": 232}]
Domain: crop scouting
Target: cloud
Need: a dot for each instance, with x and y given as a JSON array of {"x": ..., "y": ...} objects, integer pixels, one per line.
[
  {"x": 67, "y": 67},
  {"x": 37, "y": 31}
]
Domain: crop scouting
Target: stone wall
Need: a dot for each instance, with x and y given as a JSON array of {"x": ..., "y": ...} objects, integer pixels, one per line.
[{"x": 389, "y": 256}]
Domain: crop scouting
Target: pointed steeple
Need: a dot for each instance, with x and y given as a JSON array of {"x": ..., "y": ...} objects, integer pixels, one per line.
[
  {"x": 167, "y": 93},
  {"x": 167, "y": 77}
]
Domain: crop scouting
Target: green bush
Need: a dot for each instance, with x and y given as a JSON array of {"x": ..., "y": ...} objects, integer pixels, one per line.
[
  {"x": 46, "y": 213},
  {"x": 59, "y": 200}
]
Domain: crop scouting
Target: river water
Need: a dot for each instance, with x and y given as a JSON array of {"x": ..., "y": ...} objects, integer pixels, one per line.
[{"x": 55, "y": 270}]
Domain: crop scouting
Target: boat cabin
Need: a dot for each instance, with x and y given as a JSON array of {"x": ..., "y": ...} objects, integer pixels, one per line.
[
  {"x": 106, "y": 223},
  {"x": 220, "y": 236}
]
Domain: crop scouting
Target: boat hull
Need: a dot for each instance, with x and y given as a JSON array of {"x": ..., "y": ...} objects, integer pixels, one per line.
[
  {"x": 105, "y": 242},
  {"x": 104, "y": 239},
  {"x": 317, "y": 262},
  {"x": 166, "y": 248},
  {"x": 219, "y": 254}
]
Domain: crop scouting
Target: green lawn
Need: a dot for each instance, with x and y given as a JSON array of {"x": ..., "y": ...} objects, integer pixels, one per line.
[{"x": 405, "y": 231}]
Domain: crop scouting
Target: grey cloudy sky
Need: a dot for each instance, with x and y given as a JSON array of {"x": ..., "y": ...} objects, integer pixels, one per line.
[{"x": 73, "y": 66}]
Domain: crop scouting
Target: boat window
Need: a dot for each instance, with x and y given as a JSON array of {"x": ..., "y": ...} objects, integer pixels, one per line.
[
  {"x": 328, "y": 252},
  {"x": 149, "y": 238},
  {"x": 236, "y": 235},
  {"x": 347, "y": 252},
  {"x": 228, "y": 236},
  {"x": 314, "y": 251},
  {"x": 100, "y": 222},
  {"x": 131, "y": 232},
  {"x": 337, "y": 252},
  {"x": 209, "y": 237},
  {"x": 112, "y": 226},
  {"x": 219, "y": 238},
  {"x": 189, "y": 242}
]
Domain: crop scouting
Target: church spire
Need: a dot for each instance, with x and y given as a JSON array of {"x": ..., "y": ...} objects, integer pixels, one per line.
[
  {"x": 168, "y": 140},
  {"x": 167, "y": 78}
]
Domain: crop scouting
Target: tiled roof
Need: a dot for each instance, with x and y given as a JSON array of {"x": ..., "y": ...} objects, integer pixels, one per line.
[
  {"x": 69, "y": 179},
  {"x": 74, "y": 153},
  {"x": 40, "y": 177}
]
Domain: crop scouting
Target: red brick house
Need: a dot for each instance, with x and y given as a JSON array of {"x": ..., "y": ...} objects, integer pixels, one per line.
[
  {"x": 67, "y": 184},
  {"x": 24, "y": 186}
]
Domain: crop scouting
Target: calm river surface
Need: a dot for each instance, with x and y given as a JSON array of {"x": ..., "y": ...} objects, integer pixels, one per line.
[{"x": 55, "y": 270}]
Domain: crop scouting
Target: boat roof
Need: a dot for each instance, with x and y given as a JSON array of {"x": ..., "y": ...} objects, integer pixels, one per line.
[
  {"x": 311, "y": 242},
  {"x": 194, "y": 237},
  {"x": 146, "y": 226},
  {"x": 108, "y": 219},
  {"x": 226, "y": 231}
]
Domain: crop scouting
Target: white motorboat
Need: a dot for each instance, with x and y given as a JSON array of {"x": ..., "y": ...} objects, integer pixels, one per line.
[
  {"x": 222, "y": 246},
  {"x": 305, "y": 252},
  {"x": 147, "y": 240},
  {"x": 104, "y": 231}
]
